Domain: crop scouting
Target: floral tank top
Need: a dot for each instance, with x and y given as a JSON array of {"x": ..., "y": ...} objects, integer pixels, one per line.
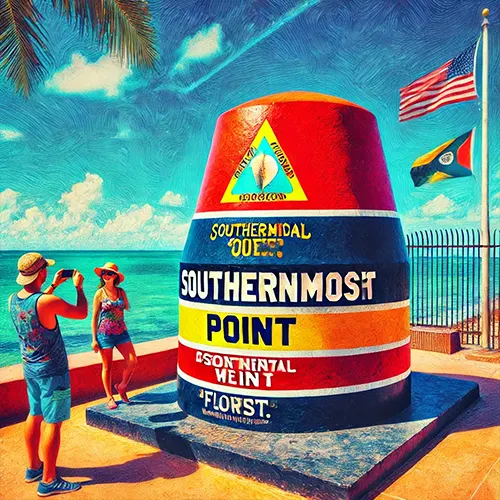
[
  {"x": 42, "y": 350},
  {"x": 111, "y": 320}
]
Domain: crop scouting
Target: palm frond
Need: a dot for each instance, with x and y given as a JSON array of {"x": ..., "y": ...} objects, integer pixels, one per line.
[
  {"x": 125, "y": 26},
  {"x": 131, "y": 33},
  {"x": 22, "y": 44}
]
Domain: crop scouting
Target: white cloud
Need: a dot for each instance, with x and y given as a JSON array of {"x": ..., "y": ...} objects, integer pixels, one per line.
[
  {"x": 129, "y": 221},
  {"x": 33, "y": 219},
  {"x": 441, "y": 205},
  {"x": 83, "y": 194},
  {"x": 137, "y": 227},
  {"x": 473, "y": 215},
  {"x": 203, "y": 46},
  {"x": 172, "y": 200},
  {"x": 82, "y": 77},
  {"x": 9, "y": 134},
  {"x": 496, "y": 212},
  {"x": 8, "y": 198},
  {"x": 8, "y": 204}
]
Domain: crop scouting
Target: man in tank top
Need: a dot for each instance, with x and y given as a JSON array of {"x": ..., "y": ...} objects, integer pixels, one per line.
[{"x": 45, "y": 365}]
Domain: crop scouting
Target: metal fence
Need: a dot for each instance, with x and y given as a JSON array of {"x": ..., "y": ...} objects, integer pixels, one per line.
[{"x": 445, "y": 286}]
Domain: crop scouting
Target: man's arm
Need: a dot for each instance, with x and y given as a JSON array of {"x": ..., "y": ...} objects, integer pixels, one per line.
[
  {"x": 60, "y": 307},
  {"x": 58, "y": 279}
]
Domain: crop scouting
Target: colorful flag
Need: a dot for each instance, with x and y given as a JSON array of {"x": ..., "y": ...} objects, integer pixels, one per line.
[
  {"x": 451, "y": 159},
  {"x": 450, "y": 83}
]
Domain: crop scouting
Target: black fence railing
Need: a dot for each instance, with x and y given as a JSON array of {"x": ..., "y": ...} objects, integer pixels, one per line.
[{"x": 445, "y": 285}]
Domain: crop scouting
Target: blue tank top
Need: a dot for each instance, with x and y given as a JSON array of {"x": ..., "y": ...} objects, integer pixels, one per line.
[{"x": 42, "y": 350}]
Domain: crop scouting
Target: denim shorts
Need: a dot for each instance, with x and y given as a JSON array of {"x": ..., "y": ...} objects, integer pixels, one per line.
[
  {"x": 50, "y": 397},
  {"x": 110, "y": 341}
]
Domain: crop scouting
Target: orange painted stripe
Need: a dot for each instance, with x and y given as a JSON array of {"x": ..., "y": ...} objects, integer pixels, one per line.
[{"x": 310, "y": 331}]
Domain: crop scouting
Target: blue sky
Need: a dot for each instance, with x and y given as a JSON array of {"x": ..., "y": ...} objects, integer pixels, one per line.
[{"x": 104, "y": 156}]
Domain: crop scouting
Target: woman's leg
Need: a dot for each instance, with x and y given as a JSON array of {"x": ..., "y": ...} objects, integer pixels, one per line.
[
  {"x": 107, "y": 363},
  {"x": 128, "y": 352}
]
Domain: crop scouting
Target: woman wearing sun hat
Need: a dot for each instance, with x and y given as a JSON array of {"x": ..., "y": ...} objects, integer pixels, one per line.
[{"x": 109, "y": 330}]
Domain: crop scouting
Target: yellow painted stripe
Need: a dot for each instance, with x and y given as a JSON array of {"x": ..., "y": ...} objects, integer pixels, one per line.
[{"x": 311, "y": 331}]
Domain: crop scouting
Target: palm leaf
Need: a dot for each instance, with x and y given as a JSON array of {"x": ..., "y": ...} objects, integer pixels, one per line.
[
  {"x": 123, "y": 25},
  {"x": 22, "y": 44}
]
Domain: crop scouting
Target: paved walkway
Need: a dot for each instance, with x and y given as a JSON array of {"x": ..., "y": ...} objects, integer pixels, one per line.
[{"x": 462, "y": 463}]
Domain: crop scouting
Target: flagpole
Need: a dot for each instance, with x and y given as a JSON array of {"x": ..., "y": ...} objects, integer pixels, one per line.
[{"x": 485, "y": 220}]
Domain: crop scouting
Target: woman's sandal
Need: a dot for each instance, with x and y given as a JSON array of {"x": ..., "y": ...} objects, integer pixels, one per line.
[
  {"x": 111, "y": 404},
  {"x": 122, "y": 394}
]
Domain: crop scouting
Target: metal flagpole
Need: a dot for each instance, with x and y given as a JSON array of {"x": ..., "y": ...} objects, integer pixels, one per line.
[{"x": 485, "y": 219}]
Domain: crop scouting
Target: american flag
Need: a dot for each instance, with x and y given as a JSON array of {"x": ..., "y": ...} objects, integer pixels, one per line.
[{"x": 450, "y": 83}]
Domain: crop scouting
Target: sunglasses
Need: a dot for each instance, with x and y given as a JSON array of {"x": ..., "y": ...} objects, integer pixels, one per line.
[{"x": 108, "y": 273}]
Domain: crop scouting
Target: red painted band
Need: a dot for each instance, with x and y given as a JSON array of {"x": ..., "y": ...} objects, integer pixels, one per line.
[
  {"x": 309, "y": 373},
  {"x": 317, "y": 137}
]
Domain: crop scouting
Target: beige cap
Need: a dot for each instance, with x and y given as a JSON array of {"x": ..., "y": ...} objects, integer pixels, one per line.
[{"x": 30, "y": 265}]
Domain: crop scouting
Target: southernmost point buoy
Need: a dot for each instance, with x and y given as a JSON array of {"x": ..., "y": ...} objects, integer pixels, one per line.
[{"x": 294, "y": 312}]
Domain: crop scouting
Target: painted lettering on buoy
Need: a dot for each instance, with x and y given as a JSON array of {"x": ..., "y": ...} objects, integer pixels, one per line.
[
  {"x": 274, "y": 287},
  {"x": 258, "y": 239}
]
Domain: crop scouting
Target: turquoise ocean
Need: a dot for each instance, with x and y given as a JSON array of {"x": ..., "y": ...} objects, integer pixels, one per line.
[{"x": 151, "y": 283}]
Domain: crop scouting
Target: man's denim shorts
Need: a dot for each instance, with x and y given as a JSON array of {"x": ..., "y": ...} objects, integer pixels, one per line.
[
  {"x": 50, "y": 397},
  {"x": 110, "y": 341}
]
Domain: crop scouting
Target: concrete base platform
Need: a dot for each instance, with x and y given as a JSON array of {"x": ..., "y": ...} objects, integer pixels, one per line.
[{"x": 342, "y": 464}]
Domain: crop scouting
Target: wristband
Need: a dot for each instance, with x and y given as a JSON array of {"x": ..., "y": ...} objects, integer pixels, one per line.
[{"x": 53, "y": 286}]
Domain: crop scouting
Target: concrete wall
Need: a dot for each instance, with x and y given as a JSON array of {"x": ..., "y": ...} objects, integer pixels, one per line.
[{"x": 157, "y": 363}]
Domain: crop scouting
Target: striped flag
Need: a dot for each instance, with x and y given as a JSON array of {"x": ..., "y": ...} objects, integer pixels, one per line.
[
  {"x": 449, "y": 160},
  {"x": 450, "y": 83}
]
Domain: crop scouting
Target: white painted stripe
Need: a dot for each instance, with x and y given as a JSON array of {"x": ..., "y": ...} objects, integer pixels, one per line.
[
  {"x": 295, "y": 213},
  {"x": 293, "y": 393},
  {"x": 292, "y": 310},
  {"x": 294, "y": 354}
]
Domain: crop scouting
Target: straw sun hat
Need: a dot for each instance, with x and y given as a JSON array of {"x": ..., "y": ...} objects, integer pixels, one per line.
[
  {"x": 29, "y": 267},
  {"x": 109, "y": 266}
]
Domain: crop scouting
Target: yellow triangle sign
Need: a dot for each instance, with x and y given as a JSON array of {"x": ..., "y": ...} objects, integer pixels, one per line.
[{"x": 264, "y": 173}]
